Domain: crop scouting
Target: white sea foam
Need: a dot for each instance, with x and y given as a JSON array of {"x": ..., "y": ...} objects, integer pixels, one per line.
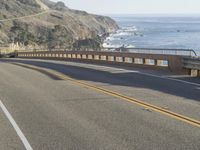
[
  {"x": 129, "y": 46},
  {"x": 120, "y": 36},
  {"x": 158, "y": 32},
  {"x": 108, "y": 45},
  {"x": 125, "y": 31},
  {"x": 110, "y": 38},
  {"x": 129, "y": 29}
]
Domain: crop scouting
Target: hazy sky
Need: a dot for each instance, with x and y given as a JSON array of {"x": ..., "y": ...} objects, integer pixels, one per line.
[{"x": 136, "y": 6}]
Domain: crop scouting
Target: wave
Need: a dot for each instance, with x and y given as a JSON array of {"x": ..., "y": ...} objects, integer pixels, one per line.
[
  {"x": 129, "y": 29},
  {"x": 124, "y": 31},
  {"x": 129, "y": 46},
  {"x": 110, "y": 45},
  {"x": 121, "y": 37},
  {"x": 122, "y": 34}
]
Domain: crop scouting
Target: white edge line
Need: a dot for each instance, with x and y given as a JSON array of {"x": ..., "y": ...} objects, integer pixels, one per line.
[
  {"x": 142, "y": 73},
  {"x": 148, "y": 74},
  {"x": 15, "y": 126},
  {"x": 168, "y": 78}
]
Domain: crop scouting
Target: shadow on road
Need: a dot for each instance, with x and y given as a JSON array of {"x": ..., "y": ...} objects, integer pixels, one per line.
[{"x": 130, "y": 79}]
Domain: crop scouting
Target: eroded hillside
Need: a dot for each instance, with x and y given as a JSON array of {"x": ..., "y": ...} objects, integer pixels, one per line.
[{"x": 45, "y": 24}]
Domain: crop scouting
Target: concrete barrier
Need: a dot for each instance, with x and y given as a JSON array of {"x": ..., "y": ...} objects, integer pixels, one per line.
[
  {"x": 156, "y": 61},
  {"x": 192, "y": 64}
]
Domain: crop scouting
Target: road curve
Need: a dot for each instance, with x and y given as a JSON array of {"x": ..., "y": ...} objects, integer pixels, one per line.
[{"x": 54, "y": 113}]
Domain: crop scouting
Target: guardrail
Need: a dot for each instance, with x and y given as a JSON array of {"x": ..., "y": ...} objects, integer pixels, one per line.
[
  {"x": 193, "y": 64},
  {"x": 181, "y": 52},
  {"x": 171, "y": 62}
]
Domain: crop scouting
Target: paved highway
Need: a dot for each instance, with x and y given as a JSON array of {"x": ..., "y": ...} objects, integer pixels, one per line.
[{"x": 57, "y": 105}]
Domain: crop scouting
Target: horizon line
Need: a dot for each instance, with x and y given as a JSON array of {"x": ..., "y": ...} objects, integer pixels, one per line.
[{"x": 156, "y": 14}]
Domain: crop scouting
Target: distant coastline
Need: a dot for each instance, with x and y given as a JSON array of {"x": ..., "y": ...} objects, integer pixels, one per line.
[{"x": 156, "y": 32}]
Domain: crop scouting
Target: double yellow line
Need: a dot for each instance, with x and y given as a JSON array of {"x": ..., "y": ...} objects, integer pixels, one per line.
[{"x": 117, "y": 95}]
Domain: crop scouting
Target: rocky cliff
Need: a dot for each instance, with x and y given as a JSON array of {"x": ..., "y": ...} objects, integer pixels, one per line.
[{"x": 46, "y": 24}]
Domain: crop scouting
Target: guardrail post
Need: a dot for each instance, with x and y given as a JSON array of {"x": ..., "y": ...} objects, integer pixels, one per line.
[
  {"x": 106, "y": 58},
  {"x": 158, "y": 62},
  {"x": 78, "y": 56},
  {"x": 74, "y": 56},
  {"x": 103, "y": 57},
  {"x": 133, "y": 60},
  {"x": 114, "y": 58},
  {"x": 90, "y": 56},
  {"x": 69, "y": 55},
  {"x": 96, "y": 57},
  {"x": 128, "y": 60},
  {"x": 194, "y": 73},
  {"x": 123, "y": 59},
  {"x": 120, "y": 59},
  {"x": 84, "y": 56},
  {"x": 155, "y": 62},
  {"x": 144, "y": 61}
]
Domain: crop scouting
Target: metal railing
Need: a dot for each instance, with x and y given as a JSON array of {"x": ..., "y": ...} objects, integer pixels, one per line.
[
  {"x": 191, "y": 63},
  {"x": 164, "y": 51},
  {"x": 180, "y": 52},
  {"x": 161, "y": 51}
]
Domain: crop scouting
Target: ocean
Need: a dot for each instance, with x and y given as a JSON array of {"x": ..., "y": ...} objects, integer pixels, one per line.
[{"x": 156, "y": 32}]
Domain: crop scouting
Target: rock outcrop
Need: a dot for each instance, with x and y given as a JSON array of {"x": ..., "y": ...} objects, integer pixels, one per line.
[{"x": 46, "y": 24}]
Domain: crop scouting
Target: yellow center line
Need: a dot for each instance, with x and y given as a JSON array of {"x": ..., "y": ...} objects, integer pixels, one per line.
[{"x": 117, "y": 95}]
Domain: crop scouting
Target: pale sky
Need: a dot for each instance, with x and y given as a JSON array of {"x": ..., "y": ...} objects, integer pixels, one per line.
[{"x": 136, "y": 6}]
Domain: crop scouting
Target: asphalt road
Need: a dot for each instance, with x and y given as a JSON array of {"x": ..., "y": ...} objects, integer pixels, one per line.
[{"x": 57, "y": 114}]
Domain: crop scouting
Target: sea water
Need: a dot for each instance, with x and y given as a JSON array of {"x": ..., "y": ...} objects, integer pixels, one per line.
[{"x": 156, "y": 32}]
